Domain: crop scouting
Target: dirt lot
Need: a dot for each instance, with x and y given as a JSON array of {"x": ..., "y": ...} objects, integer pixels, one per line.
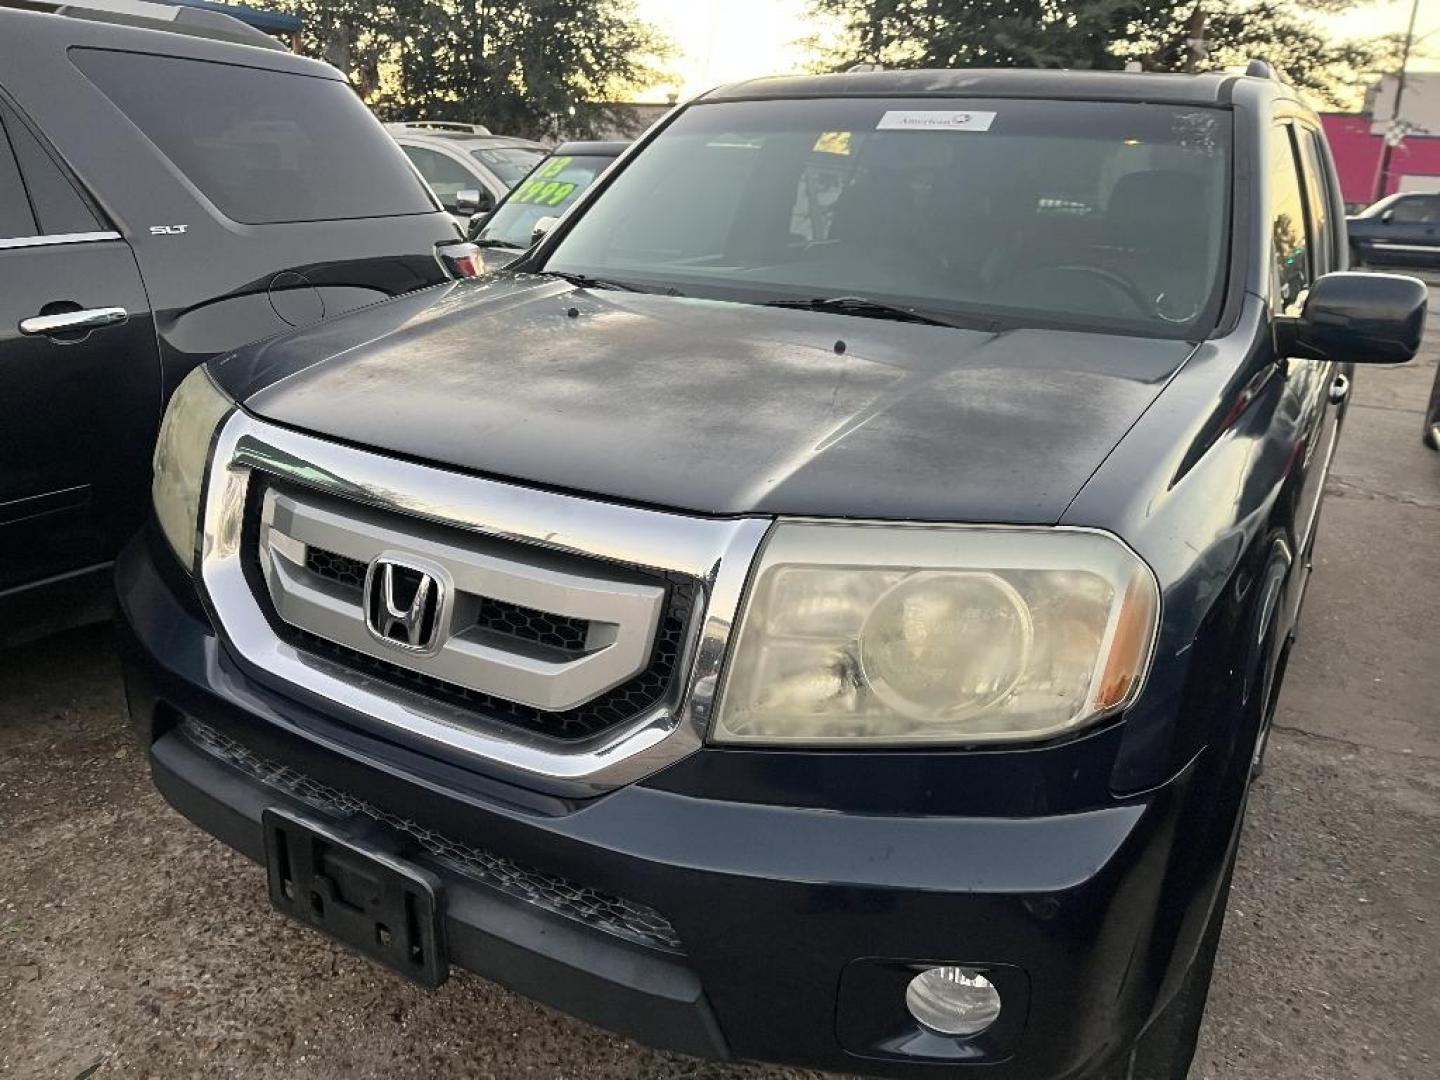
[{"x": 132, "y": 945}]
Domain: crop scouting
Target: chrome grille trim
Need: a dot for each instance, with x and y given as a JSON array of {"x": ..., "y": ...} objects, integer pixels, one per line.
[
  {"x": 623, "y": 615},
  {"x": 716, "y": 553}
]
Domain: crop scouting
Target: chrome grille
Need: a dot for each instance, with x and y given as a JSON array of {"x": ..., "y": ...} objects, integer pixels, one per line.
[
  {"x": 698, "y": 562},
  {"x": 600, "y": 910},
  {"x": 648, "y": 689},
  {"x": 509, "y": 620},
  {"x": 605, "y": 648}
]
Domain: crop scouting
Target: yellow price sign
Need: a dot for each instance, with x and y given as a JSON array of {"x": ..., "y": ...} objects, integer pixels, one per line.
[
  {"x": 542, "y": 189},
  {"x": 540, "y": 192}
]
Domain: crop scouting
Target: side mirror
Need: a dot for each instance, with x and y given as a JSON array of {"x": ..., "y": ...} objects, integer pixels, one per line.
[
  {"x": 1387, "y": 216},
  {"x": 471, "y": 201},
  {"x": 542, "y": 228},
  {"x": 1356, "y": 318}
]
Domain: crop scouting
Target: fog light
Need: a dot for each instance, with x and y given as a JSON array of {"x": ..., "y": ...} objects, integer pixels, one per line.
[{"x": 953, "y": 1000}]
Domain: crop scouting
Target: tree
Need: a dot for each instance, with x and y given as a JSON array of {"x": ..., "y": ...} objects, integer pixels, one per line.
[
  {"x": 524, "y": 67},
  {"x": 1283, "y": 32},
  {"x": 1104, "y": 34},
  {"x": 975, "y": 33}
]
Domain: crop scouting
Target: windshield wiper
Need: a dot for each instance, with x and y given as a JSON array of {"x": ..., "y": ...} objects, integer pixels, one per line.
[
  {"x": 493, "y": 242},
  {"x": 867, "y": 308}
]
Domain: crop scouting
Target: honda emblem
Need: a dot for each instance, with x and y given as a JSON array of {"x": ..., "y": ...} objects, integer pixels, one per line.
[{"x": 403, "y": 604}]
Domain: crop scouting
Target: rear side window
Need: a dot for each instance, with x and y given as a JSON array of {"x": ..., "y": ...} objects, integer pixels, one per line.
[
  {"x": 446, "y": 176},
  {"x": 264, "y": 146},
  {"x": 15, "y": 217},
  {"x": 56, "y": 203}
]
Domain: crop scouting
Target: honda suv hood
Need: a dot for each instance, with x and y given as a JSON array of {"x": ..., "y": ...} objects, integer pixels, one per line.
[{"x": 716, "y": 407}]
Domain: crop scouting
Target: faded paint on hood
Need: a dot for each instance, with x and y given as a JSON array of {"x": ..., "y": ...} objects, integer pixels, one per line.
[{"x": 716, "y": 407}]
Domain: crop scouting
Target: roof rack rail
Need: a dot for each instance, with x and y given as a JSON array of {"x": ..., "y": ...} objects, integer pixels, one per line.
[
  {"x": 440, "y": 125},
  {"x": 1261, "y": 69},
  {"x": 209, "y": 21}
]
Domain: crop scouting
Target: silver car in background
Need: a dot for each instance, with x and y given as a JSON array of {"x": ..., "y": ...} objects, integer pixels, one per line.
[{"x": 469, "y": 168}]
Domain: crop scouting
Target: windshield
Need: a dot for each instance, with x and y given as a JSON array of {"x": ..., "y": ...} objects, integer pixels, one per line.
[
  {"x": 509, "y": 163},
  {"x": 547, "y": 192},
  {"x": 1049, "y": 213}
]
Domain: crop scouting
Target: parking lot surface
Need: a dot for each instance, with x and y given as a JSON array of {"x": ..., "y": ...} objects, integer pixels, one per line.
[{"x": 133, "y": 945}]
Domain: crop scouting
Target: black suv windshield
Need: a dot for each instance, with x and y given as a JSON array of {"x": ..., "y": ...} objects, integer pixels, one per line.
[
  {"x": 1086, "y": 215},
  {"x": 546, "y": 192}
]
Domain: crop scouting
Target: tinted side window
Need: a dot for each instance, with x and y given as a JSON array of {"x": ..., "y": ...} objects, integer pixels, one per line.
[
  {"x": 446, "y": 176},
  {"x": 1417, "y": 208},
  {"x": 57, "y": 204},
  {"x": 1289, "y": 245},
  {"x": 264, "y": 146},
  {"x": 15, "y": 217},
  {"x": 1317, "y": 191}
]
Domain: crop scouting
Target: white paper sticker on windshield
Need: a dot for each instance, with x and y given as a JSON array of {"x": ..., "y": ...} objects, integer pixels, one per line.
[{"x": 935, "y": 120}]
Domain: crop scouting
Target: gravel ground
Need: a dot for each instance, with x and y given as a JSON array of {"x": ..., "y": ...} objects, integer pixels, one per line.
[{"x": 132, "y": 945}]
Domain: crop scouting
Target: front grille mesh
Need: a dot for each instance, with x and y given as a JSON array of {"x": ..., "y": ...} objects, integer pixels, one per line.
[
  {"x": 514, "y": 620},
  {"x": 613, "y": 915},
  {"x": 340, "y": 569}
]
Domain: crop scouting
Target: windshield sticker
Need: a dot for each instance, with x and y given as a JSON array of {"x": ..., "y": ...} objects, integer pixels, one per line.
[
  {"x": 935, "y": 120},
  {"x": 832, "y": 142}
]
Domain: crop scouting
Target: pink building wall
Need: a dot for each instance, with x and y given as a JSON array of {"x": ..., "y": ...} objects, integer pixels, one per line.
[{"x": 1357, "y": 156}]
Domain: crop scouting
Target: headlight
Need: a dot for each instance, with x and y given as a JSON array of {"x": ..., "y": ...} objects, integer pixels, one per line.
[
  {"x": 194, "y": 412},
  {"x": 875, "y": 634}
]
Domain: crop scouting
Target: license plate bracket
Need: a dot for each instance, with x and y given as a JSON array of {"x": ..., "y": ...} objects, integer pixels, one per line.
[{"x": 353, "y": 893}]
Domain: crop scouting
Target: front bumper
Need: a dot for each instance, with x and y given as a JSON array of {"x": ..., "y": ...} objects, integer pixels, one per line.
[{"x": 796, "y": 927}]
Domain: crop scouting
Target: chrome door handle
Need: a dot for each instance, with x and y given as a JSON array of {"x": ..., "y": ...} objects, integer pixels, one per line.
[
  {"x": 1339, "y": 389},
  {"x": 70, "y": 322}
]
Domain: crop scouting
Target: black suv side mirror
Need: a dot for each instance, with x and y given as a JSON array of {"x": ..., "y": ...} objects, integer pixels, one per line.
[{"x": 1355, "y": 318}]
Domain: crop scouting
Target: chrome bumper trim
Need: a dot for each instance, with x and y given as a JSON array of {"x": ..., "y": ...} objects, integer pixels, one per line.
[{"x": 715, "y": 552}]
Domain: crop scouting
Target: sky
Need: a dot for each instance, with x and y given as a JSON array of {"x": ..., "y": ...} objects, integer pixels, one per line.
[
  {"x": 1390, "y": 17},
  {"x": 720, "y": 41}
]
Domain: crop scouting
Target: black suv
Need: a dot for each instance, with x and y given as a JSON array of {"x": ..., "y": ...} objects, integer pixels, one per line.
[
  {"x": 824, "y": 604},
  {"x": 169, "y": 190},
  {"x": 1399, "y": 230}
]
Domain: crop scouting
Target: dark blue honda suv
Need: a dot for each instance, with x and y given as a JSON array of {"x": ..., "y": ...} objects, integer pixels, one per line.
[{"x": 824, "y": 604}]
